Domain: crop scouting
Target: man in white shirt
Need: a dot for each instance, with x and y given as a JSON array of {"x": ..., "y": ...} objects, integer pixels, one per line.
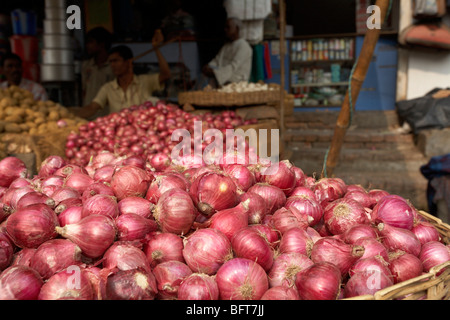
[
  {"x": 12, "y": 68},
  {"x": 233, "y": 63}
]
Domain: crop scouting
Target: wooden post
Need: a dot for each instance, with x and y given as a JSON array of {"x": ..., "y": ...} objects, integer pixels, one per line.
[{"x": 357, "y": 80}]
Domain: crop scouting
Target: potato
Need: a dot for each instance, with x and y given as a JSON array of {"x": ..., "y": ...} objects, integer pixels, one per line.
[
  {"x": 53, "y": 116},
  {"x": 6, "y": 101},
  {"x": 12, "y": 128},
  {"x": 15, "y": 118},
  {"x": 39, "y": 120}
]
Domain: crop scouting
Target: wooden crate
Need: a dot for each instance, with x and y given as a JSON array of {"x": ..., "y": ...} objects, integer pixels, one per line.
[{"x": 434, "y": 285}]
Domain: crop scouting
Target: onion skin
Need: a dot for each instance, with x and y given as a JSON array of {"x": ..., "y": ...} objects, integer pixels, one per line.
[
  {"x": 230, "y": 221},
  {"x": 130, "y": 181},
  {"x": 132, "y": 226},
  {"x": 11, "y": 168},
  {"x": 55, "y": 255},
  {"x": 164, "y": 247},
  {"x": 125, "y": 256},
  {"x": 337, "y": 252},
  {"x": 198, "y": 286},
  {"x": 206, "y": 250},
  {"x": 366, "y": 283},
  {"x": 433, "y": 253},
  {"x": 425, "y": 232},
  {"x": 274, "y": 197},
  {"x": 136, "y": 205},
  {"x": 175, "y": 211},
  {"x": 296, "y": 240},
  {"x": 7, "y": 249},
  {"x": 342, "y": 214},
  {"x": 164, "y": 182},
  {"x": 284, "y": 219},
  {"x": 321, "y": 281},
  {"x": 329, "y": 189},
  {"x": 134, "y": 284},
  {"x": 23, "y": 257},
  {"x": 101, "y": 204},
  {"x": 34, "y": 198},
  {"x": 241, "y": 175},
  {"x": 308, "y": 207},
  {"x": 357, "y": 232},
  {"x": 78, "y": 181},
  {"x": 94, "y": 234},
  {"x": 404, "y": 266},
  {"x": 374, "y": 264},
  {"x": 50, "y": 165},
  {"x": 69, "y": 284},
  {"x": 256, "y": 207},
  {"x": 71, "y": 215},
  {"x": 285, "y": 268},
  {"x": 395, "y": 211},
  {"x": 284, "y": 177},
  {"x": 281, "y": 293},
  {"x": 31, "y": 226},
  {"x": 402, "y": 239},
  {"x": 241, "y": 279},
  {"x": 248, "y": 243},
  {"x": 169, "y": 276},
  {"x": 372, "y": 247},
  {"x": 20, "y": 283}
]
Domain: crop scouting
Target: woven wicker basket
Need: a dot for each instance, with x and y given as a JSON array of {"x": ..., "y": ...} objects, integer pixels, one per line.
[
  {"x": 225, "y": 99},
  {"x": 434, "y": 285}
]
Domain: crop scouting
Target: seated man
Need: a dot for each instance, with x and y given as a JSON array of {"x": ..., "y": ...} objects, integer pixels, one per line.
[
  {"x": 12, "y": 68},
  {"x": 128, "y": 88},
  {"x": 233, "y": 63}
]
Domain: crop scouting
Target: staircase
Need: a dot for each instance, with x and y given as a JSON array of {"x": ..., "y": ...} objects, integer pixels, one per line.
[{"x": 375, "y": 154}]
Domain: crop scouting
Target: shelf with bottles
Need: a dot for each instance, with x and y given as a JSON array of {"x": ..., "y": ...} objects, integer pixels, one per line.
[{"x": 333, "y": 49}]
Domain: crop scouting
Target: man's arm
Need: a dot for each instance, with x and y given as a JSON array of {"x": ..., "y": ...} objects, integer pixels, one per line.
[
  {"x": 164, "y": 69},
  {"x": 86, "y": 111}
]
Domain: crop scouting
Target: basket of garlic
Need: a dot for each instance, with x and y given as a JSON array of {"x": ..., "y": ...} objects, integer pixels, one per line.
[{"x": 231, "y": 95}]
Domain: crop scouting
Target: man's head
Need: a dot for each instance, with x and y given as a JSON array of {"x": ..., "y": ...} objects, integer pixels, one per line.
[
  {"x": 98, "y": 39},
  {"x": 12, "y": 68},
  {"x": 233, "y": 28},
  {"x": 121, "y": 60}
]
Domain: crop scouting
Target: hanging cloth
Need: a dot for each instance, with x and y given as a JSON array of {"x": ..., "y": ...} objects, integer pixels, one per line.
[
  {"x": 257, "y": 73},
  {"x": 267, "y": 65}
]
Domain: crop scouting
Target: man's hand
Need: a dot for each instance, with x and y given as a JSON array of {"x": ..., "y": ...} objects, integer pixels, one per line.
[
  {"x": 208, "y": 71},
  {"x": 157, "y": 39}
]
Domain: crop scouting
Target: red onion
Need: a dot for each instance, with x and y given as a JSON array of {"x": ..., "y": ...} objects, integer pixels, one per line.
[
  {"x": 101, "y": 204},
  {"x": 13, "y": 195},
  {"x": 93, "y": 234},
  {"x": 303, "y": 191},
  {"x": 342, "y": 214},
  {"x": 359, "y": 231},
  {"x": 329, "y": 189},
  {"x": 256, "y": 207},
  {"x": 281, "y": 293},
  {"x": 296, "y": 240},
  {"x": 105, "y": 173},
  {"x": 69, "y": 284},
  {"x": 300, "y": 177},
  {"x": 247, "y": 243},
  {"x": 361, "y": 196},
  {"x": 131, "y": 226},
  {"x": 375, "y": 263},
  {"x": 50, "y": 165},
  {"x": 372, "y": 247},
  {"x": 55, "y": 255},
  {"x": 230, "y": 221},
  {"x": 136, "y": 205},
  {"x": 125, "y": 256},
  {"x": 103, "y": 158},
  {"x": 198, "y": 286},
  {"x": 395, "y": 211},
  {"x": 337, "y": 252},
  {"x": 269, "y": 234},
  {"x": 134, "y": 160},
  {"x": 11, "y": 168},
  {"x": 71, "y": 215},
  {"x": 160, "y": 161},
  {"x": 366, "y": 283},
  {"x": 307, "y": 207},
  {"x": 31, "y": 226},
  {"x": 241, "y": 279},
  {"x": 376, "y": 195},
  {"x": 213, "y": 192},
  {"x": 34, "y": 198},
  {"x": 95, "y": 189},
  {"x": 206, "y": 250},
  {"x": 68, "y": 203},
  {"x": 7, "y": 249},
  {"x": 19, "y": 182},
  {"x": 404, "y": 266},
  {"x": 164, "y": 247},
  {"x": 169, "y": 276},
  {"x": 130, "y": 181},
  {"x": 68, "y": 169},
  {"x": 64, "y": 193},
  {"x": 284, "y": 219},
  {"x": 285, "y": 268},
  {"x": 164, "y": 182},
  {"x": 425, "y": 232},
  {"x": 272, "y": 195},
  {"x": 241, "y": 175},
  {"x": 20, "y": 283},
  {"x": 282, "y": 177},
  {"x": 175, "y": 211},
  {"x": 433, "y": 253},
  {"x": 97, "y": 277},
  {"x": 394, "y": 239},
  {"x": 23, "y": 257},
  {"x": 78, "y": 181},
  {"x": 321, "y": 281},
  {"x": 5, "y": 211},
  {"x": 134, "y": 284}
]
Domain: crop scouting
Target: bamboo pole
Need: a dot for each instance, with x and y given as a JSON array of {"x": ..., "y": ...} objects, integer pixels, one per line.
[{"x": 359, "y": 74}]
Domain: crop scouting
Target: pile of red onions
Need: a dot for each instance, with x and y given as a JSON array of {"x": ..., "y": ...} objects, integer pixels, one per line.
[
  {"x": 144, "y": 130},
  {"x": 124, "y": 227}
]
